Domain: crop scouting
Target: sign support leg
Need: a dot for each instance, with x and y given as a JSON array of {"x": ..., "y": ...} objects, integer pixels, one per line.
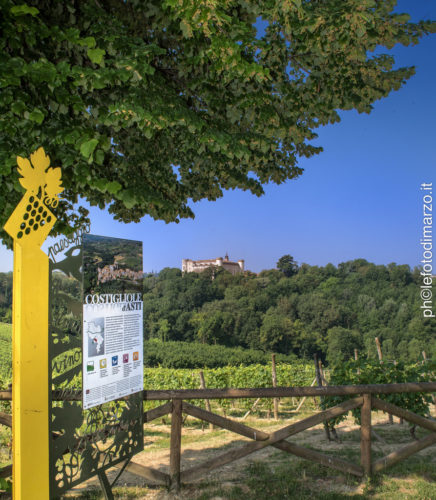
[
  {"x": 105, "y": 485},
  {"x": 29, "y": 225},
  {"x": 30, "y": 375}
]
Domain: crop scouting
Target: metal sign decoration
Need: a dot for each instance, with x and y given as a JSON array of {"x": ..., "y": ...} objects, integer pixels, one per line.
[
  {"x": 29, "y": 226},
  {"x": 58, "y": 444},
  {"x": 96, "y": 338}
]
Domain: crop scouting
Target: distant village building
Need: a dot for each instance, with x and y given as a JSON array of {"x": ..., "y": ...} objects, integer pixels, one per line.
[
  {"x": 113, "y": 272},
  {"x": 197, "y": 266}
]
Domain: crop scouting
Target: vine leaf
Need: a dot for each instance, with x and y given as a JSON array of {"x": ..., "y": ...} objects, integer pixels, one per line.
[
  {"x": 32, "y": 177},
  {"x": 35, "y": 174},
  {"x": 54, "y": 182},
  {"x": 40, "y": 160}
]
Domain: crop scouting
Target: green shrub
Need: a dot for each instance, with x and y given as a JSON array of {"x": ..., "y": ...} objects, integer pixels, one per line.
[
  {"x": 372, "y": 372},
  {"x": 197, "y": 355}
]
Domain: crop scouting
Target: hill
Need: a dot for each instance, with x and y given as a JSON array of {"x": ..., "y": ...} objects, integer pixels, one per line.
[
  {"x": 326, "y": 310},
  {"x": 329, "y": 310}
]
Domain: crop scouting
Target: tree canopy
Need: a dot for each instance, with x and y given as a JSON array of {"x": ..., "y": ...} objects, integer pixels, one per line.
[
  {"x": 150, "y": 106},
  {"x": 287, "y": 265},
  {"x": 326, "y": 310}
]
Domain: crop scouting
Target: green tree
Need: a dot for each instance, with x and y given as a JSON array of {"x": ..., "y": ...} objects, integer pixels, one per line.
[
  {"x": 147, "y": 105},
  {"x": 213, "y": 327},
  {"x": 164, "y": 328},
  {"x": 320, "y": 309},
  {"x": 287, "y": 265},
  {"x": 276, "y": 332},
  {"x": 341, "y": 343}
]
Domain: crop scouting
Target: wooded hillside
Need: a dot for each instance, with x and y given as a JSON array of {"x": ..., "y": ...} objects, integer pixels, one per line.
[{"x": 329, "y": 310}]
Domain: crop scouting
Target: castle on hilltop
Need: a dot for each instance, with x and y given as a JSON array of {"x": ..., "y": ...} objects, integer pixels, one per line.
[
  {"x": 112, "y": 272},
  {"x": 197, "y": 266}
]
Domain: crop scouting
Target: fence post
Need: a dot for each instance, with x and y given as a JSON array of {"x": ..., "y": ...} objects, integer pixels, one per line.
[
  {"x": 365, "y": 434},
  {"x": 319, "y": 382},
  {"x": 380, "y": 358},
  {"x": 356, "y": 357},
  {"x": 274, "y": 384},
  {"x": 207, "y": 402},
  {"x": 175, "y": 444},
  {"x": 433, "y": 397},
  {"x": 379, "y": 350}
]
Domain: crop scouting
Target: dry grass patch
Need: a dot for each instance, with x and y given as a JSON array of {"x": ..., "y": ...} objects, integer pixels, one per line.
[{"x": 271, "y": 474}]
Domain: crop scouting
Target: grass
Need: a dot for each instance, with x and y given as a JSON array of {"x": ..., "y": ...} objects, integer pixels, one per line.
[
  {"x": 274, "y": 475},
  {"x": 271, "y": 474},
  {"x": 120, "y": 493},
  {"x": 5, "y": 445},
  {"x": 307, "y": 481},
  {"x": 296, "y": 480},
  {"x": 5, "y": 376},
  {"x": 5, "y": 332},
  {"x": 265, "y": 483}
]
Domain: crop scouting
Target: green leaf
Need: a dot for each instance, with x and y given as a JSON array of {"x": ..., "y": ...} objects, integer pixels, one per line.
[
  {"x": 113, "y": 187},
  {"x": 87, "y": 148},
  {"x": 99, "y": 157},
  {"x": 18, "y": 107},
  {"x": 186, "y": 29},
  {"x": 128, "y": 198},
  {"x": 360, "y": 31},
  {"x": 89, "y": 42},
  {"x": 22, "y": 10},
  {"x": 96, "y": 55},
  {"x": 37, "y": 116},
  {"x": 100, "y": 184},
  {"x": 5, "y": 484}
]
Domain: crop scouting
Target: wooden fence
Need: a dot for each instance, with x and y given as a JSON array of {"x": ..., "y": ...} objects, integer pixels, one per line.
[{"x": 365, "y": 398}]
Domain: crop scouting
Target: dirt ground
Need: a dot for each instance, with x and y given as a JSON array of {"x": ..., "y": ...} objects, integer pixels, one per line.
[{"x": 200, "y": 444}]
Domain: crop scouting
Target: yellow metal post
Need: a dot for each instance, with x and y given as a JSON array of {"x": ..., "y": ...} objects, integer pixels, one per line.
[{"x": 29, "y": 226}]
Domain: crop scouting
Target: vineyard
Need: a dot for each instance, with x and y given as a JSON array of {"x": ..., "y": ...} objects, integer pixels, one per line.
[
  {"x": 253, "y": 375},
  {"x": 289, "y": 373},
  {"x": 299, "y": 374},
  {"x": 5, "y": 351},
  {"x": 192, "y": 354}
]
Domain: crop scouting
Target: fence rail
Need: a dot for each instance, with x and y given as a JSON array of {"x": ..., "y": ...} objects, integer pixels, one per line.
[
  {"x": 263, "y": 392},
  {"x": 177, "y": 405}
]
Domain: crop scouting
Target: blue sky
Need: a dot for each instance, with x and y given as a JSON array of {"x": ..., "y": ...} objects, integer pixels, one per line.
[{"x": 360, "y": 198}]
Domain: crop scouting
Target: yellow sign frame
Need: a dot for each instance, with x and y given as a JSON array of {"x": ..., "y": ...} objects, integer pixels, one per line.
[{"x": 29, "y": 225}]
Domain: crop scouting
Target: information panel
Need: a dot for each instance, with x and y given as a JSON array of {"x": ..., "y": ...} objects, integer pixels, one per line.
[{"x": 112, "y": 319}]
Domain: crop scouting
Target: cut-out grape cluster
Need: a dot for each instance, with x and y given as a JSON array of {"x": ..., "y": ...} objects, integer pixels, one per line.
[{"x": 35, "y": 216}]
